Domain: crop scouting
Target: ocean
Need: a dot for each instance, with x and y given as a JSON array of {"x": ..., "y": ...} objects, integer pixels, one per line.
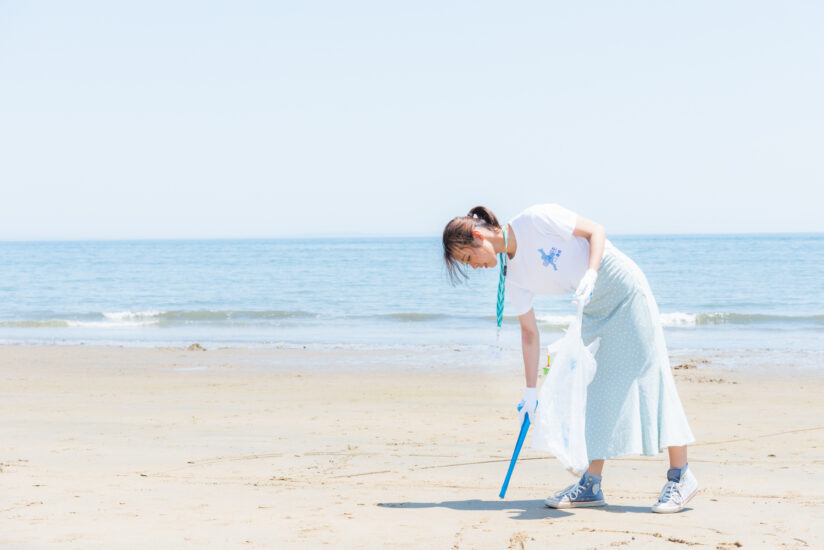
[{"x": 715, "y": 292}]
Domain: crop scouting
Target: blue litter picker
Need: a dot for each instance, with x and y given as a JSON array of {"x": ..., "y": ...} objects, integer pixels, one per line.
[{"x": 515, "y": 453}]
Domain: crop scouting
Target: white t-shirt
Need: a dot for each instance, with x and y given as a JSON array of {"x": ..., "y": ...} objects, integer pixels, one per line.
[{"x": 549, "y": 258}]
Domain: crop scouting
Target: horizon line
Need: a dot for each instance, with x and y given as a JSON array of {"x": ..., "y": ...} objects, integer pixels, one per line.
[{"x": 333, "y": 236}]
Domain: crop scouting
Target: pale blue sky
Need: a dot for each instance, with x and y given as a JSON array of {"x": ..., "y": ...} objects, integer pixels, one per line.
[{"x": 265, "y": 119}]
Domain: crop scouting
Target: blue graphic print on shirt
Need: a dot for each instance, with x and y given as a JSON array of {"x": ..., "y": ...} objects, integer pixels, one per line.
[{"x": 549, "y": 259}]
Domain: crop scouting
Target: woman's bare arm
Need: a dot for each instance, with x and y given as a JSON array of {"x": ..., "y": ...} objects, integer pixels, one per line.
[
  {"x": 530, "y": 346},
  {"x": 596, "y": 235}
]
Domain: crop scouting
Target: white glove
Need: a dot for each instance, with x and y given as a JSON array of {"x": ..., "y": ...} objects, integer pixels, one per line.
[
  {"x": 527, "y": 405},
  {"x": 584, "y": 293}
]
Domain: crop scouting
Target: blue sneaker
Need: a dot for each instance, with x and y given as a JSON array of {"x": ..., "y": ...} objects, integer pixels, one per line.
[{"x": 587, "y": 492}]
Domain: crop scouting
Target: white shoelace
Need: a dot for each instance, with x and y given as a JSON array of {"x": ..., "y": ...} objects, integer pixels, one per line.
[
  {"x": 671, "y": 492},
  {"x": 572, "y": 492}
]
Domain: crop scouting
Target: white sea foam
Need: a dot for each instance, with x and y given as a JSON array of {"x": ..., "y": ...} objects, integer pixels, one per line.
[
  {"x": 119, "y": 319},
  {"x": 678, "y": 319},
  {"x": 123, "y": 315}
]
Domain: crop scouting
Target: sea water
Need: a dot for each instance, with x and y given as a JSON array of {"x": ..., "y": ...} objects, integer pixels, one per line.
[{"x": 721, "y": 292}]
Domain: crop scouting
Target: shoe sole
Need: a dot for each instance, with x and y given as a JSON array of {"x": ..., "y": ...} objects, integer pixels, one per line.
[
  {"x": 674, "y": 510},
  {"x": 584, "y": 504}
]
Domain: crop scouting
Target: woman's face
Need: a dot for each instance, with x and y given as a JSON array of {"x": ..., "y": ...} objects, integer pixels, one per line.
[{"x": 480, "y": 255}]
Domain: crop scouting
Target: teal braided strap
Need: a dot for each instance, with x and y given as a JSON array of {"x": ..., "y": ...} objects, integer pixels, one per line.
[
  {"x": 502, "y": 258},
  {"x": 501, "y": 292}
]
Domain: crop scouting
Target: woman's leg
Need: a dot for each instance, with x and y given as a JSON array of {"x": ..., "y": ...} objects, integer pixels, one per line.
[
  {"x": 597, "y": 466},
  {"x": 677, "y": 456}
]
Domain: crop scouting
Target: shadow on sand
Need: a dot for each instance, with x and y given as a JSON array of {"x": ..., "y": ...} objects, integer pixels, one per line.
[{"x": 522, "y": 509}]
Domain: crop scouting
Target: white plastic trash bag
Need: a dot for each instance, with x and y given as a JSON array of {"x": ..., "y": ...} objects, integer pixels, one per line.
[{"x": 560, "y": 426}]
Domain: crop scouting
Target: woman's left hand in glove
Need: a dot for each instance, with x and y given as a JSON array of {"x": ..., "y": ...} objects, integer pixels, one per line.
[{"x": 584, "y": 292}]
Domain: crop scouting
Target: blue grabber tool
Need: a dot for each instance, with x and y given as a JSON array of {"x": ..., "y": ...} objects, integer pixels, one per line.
[{"x": 515, "y": 453}]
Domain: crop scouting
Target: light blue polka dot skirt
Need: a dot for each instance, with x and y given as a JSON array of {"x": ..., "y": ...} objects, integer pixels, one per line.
[{"x": 632, "y": 404}]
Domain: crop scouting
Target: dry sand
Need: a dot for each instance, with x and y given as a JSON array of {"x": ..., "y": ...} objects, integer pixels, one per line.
[{"x": 165, "y": 448}]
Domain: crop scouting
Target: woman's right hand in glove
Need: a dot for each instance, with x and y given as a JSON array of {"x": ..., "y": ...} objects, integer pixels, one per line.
[{"x": 528, "y": 404}]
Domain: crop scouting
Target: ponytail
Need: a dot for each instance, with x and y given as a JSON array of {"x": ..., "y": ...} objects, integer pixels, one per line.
[{"x": 485, "y": 215}]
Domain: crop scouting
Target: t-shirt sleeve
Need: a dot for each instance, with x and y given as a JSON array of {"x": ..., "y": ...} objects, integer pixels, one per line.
[
  {"x": 519, "y": 298},
  {"x": 555, "y": 220}
]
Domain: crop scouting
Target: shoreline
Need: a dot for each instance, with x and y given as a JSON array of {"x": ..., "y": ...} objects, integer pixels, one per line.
[{"x": 459, "y": 357}]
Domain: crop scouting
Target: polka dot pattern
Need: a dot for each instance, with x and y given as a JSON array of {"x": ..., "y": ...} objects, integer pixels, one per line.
[{"x": 632, "y": 404}]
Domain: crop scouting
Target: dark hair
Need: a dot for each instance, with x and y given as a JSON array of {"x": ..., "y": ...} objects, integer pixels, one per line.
[{"x": 458, "y": 234}]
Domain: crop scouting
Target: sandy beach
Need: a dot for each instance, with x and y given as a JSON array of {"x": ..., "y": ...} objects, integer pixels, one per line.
[{"x": 106, "y": 447}]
